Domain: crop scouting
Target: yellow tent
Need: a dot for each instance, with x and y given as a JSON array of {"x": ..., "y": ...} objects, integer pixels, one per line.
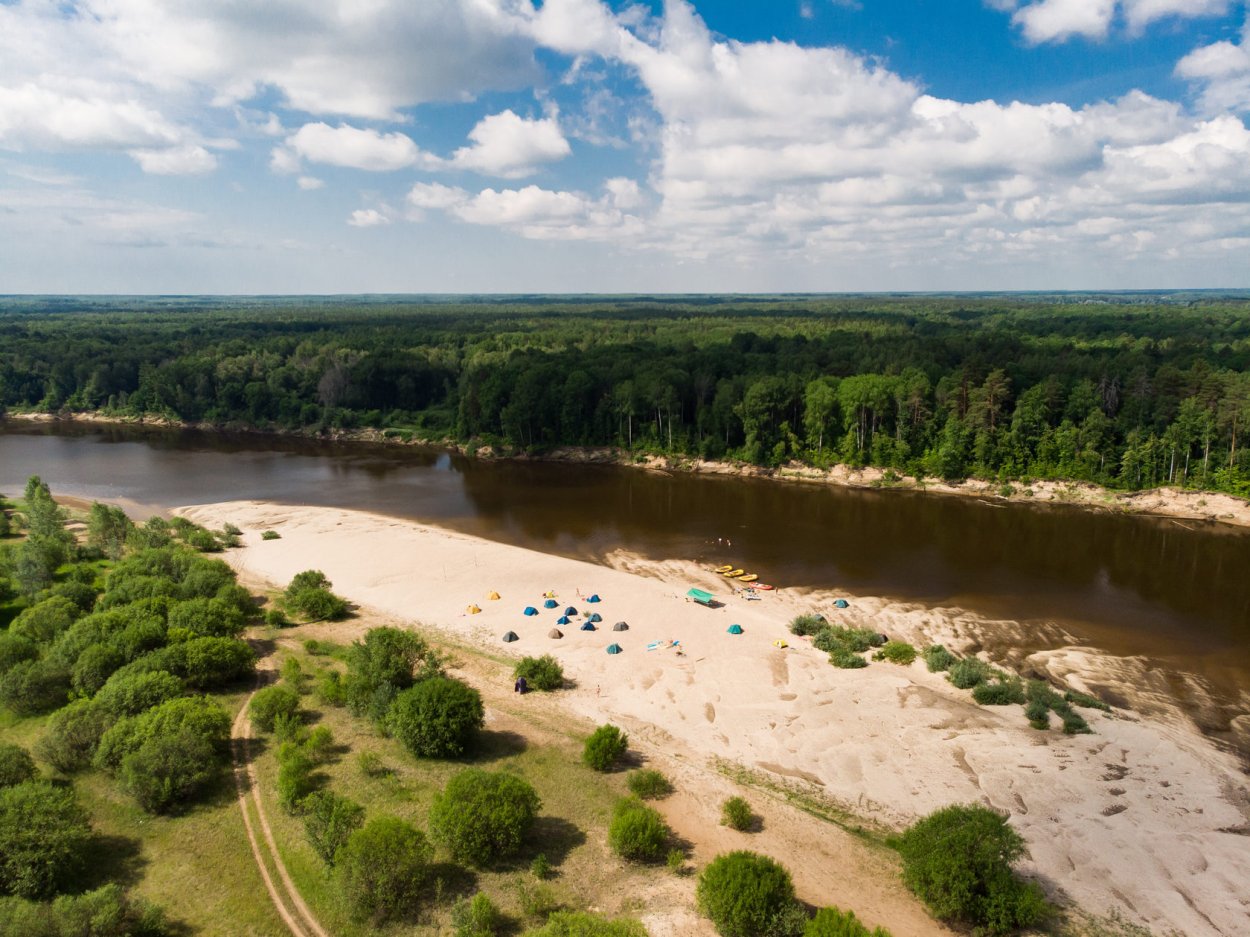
[
  {"x": 472, "y": 609},
  {"x": 493, "y": 596},
  {"x": 780, "y": 643}
]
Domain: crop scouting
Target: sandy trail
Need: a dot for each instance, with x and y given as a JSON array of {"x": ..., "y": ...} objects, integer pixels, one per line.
[{"x": 1143, "y": 817}]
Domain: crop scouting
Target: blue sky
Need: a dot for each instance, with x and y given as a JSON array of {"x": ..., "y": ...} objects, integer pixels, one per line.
[{"x": 322, "y": 146}]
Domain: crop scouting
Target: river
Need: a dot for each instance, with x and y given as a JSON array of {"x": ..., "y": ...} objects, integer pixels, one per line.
[{"x": 1176, "y": 594}]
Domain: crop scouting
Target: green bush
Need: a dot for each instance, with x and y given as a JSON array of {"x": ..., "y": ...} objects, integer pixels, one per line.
[
  {"x": 73, "y": 734},
  {"x": 846, "y": 660},
  {"x": 476, "y": 917},
  {"x": 896, "y": 652},
  {"x": 1038, "y": 714},
  {"x": 437, "y": 718},
  {"x": 130, "y": 694},
  {"x": 1077, "y": 698},
  {"x": 330, "y": 690},
  {"x": 541, "y": 868},
  {"x": 372, "y": 766},
  {"x": 319, "y": 744},
  {"x": 94, "y": 667},
  {"x": 44, "y": 835},
  {"x": 180, "y": 719},
  {"x": 999, "y": 693},
  {"x": 166, "y": 771},
  {"x": 1074, "y": 724},
  {"x": 207, "y": 618},
  {"x": 295, "y": 776},
  {"x": 736, "y": 814},
  {"x": 967, "y": 672},
  {"x": 309, "y": 596},
  {"x": 834, "y": 638},
  {"x": 35, "y": 686},
  {"x": 582, "y": 924},
  {"x": 270, "y": 535},
  {"x": 292, "y": 674},
  {"x": 676, "y": 861},
  {"x": 382, "y": 869},
  {"x": 540, "y": 673},
  {"x": 808, "y": 624},
  {"x": 649, "y": 784},
  {"x": 937, "y": 658},
  {"x": 483, "y": 816},
  {"x": 45, "y": 621},
  {"x": 214, "y": 662},
  {"x": 638, "y": 833},
  {"x": 14, "y": 649},
  {"x": 535, "y": 899},
  {"x": 833, "y": 922},
  {"x": 329, "y": 821},
  {"x": 743, "y": 893},
  {"x": 106, "y": 912},
  {"x": 959, "y": 859},
  {"x": 604, "y": 747},
  {"x": 386, "y": 662},
  {"x": 271, "y": 702},
  {"x": 16, "y": 765}
]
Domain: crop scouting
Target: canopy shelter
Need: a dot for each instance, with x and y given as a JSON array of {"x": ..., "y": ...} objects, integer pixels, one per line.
[
  {"x": 530, "y": 610},
  {"x": 596, "y": 617},
  {"x": 562, "y": 620},
  {"x": 614, "y": 649},
  {"x": 570, "y": 611},
  {"x": 620, "y": 626},
  {"x": 780, "y": 643},
  {"x": 509, "y": 637},
  {"x": 493, "y": 596},
  {"x": 555, "y": 633},
  {"x": 550, "y": 603},
  {"x": 735, "y": 629},
  {"x": 472, "y": 610},
  {"x": 593, "y": 598},
  {"x": 700, "y": 596},
  {"x": 588, "y": 626}
]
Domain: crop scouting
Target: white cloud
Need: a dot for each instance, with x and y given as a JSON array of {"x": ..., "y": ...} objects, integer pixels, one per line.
[
  {"x": 176, "y": 161},
  {"x": 507, "y": 145},
  {"x": 1222, "y": 69},
  {"x": 354, "y": 147},
  {"x": 435, "y": 195},
  {"x": 1141, "y": 13},
  {"x": 1052, "y": 20},
  {"x": 310, "y": 183},
  {"x": 367, "y": 218}
]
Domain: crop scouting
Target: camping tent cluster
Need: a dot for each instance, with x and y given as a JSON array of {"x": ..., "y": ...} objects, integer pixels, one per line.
[{"x": 566, "y": 618}]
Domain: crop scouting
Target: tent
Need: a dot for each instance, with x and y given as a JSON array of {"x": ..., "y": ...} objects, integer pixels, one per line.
[
  {"x": 472, "y": 609},
  {"x": 593, "y": 598},
  {"x": 563, "y": 620},
  {"x": 510, "y": 637},
  {"x": 700, "y": 596},
  {"x": 780, "y": 643},
  {"x": 735, "y": 629},
  {"x": 494, "y": 596},
  {"x": 550, "y": 603},
  {"x": 596, "y": 617},
  {"x": 570, "y": 610},
  {"x": 614, "y": 649},
  {"x": 588, "y": 627},
  {"x": 555, "y": 633},
  {"x": 841, "y": 603},
  {"x": 620, "y": 626},
  {"x": 530, "y": 610}
]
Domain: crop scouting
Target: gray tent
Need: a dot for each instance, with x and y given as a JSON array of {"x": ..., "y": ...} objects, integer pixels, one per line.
[
  {"x": 620, "y": 626},
  {"x": 555, "y": 633},
  {"x": 510, "y": 637}
]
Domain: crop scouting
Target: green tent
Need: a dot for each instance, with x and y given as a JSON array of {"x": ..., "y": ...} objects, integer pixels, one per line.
[
  {"x": 703, "y": 598},
  {"x": 735, "y": 629},
  {"x": 614, "y": 649}
]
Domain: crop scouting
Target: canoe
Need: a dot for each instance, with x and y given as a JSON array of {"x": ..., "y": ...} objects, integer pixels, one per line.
[
  {"x": 723, "y": 569},
  {"x": 762, "y": 586},
  {"x": 733, "y": 573},
  {"x": 749, "y": 577}
]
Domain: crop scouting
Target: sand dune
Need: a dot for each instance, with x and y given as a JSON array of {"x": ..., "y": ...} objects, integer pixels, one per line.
[{"x": 1144, "y": 817}]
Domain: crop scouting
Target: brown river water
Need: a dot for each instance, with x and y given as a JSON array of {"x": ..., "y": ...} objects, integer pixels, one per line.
[{"x": 1174, "y": 596}]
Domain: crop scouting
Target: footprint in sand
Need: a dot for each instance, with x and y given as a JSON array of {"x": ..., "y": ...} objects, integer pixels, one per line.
[{"x": 710, "y": 712}]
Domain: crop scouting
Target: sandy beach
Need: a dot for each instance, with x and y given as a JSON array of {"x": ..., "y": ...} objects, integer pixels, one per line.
[{"x": 1144, "y": 817}]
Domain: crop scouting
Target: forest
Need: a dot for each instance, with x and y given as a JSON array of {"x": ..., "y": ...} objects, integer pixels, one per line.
[{"x": 1127, "y": 391}]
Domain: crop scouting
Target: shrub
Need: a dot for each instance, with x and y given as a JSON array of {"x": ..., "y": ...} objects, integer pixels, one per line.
[
  {"x": 14, "y": 649},
  {"x": 896, "y": 652},
  {"x": 808, "y": 624},
  {"x": 847, "y": 660},
  {"x": 132, "y": 693},
  {"x": 45, "y": 621},
  {"x": 540, "y": 673},
  {"x": 73, "y": 734},
  {"x": 1077, "y": 698},
  {"x": 937, "y": 658},
  {"x": 106, "y": 912},
  {"x": 958, "y": 861},
  {"x": 385, "y": 663},
  {"x": 276, "y": 618},
  {"x": 382, "y": 869},
  {"x": 295, "y": 776},
  {"x": 207, "y": 618},
  {"x": 198, "y": 716},
  {"x": 736, "y": 814},
  {"x": 582, "y": 924},
  {"x": 649, "y": 784},
  {"x": 82, "y": 594},
  {"x": 638, "y": 833},
  {"x": 35, "y": 686},
  {"x": 541, "y": 868},
  {"x": 999, "y": 693},
  {"x": 1074, "y": 724},
  {"x": 1038, "y": 714},
  {"x": 292, "y": 674},
  {"x": 743, "y": 893},
  {"x": 475, "y": 917},
  {"x": 309, "y": 595},
  {"x": 436, "y": 718},
  {"x": 482, "y": 816},
  {"x": 330, "y": 689},
  {"x": 676, "y": 861},
  {"x": 967, "y": 672},
  {"x": 604, "y": 747},
  {"x": 271, "y": 702},
  {"x": 289, "y": 727},
  {"x": 270, "y": 535},
  {"x": 16, "y": 765},
  {"x": 319, "y": 744},
  {"x": 535, "y": 899},
  {"x": 329, "y": 821},
  {"x": 833, "y": 922},
  {"x": 834, "y": 637},
  {"x": 168, "y": 770},
  {"x": 372, "y": 766},
  {"x": 44, "y": 836},
  {"x": 94, "y": 667},
  {"x": 213, "y": 662}
]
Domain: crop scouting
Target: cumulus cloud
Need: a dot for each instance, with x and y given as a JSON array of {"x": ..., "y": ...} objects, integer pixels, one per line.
[
  {"x": 1057, "y": 20},
  {"x": 367, "y": 218},
  {"x": 1222, "y": 70},
  {"x": 510, "y": 146},
  {"x": 310, "y": 183},
  {"x": 352, "y": 147}
]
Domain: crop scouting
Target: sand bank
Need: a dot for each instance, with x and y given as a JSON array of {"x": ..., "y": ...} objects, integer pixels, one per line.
[{"x": 1142, "y": 817}]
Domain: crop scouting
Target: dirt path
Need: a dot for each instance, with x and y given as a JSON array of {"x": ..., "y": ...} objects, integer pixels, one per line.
[{"x": 286, "y": 898}]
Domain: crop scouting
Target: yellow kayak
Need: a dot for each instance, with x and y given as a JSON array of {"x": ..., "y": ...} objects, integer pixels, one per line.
[
  {"x": 723, "y": 569},
  {"x": 749, "y": 577},
  {"x": 732, "y": 574}
]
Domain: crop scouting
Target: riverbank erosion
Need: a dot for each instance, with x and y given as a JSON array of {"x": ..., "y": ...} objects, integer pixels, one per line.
[
  {"x": 1182, "y": 504},
  {"x": 1144, "y": 817}
]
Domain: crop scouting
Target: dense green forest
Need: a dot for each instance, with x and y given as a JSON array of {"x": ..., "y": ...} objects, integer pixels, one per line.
[{"x": 1129, "y": 391}]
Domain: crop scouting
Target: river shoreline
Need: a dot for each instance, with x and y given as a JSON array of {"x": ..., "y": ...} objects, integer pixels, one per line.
[{"x": 1215, "y": 509}]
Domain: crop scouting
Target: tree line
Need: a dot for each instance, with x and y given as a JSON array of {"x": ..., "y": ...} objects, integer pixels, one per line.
[{"x": 1124, "y": 394}]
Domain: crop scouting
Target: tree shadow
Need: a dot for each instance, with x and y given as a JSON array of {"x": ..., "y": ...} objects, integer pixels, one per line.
[
  {"x": 555, "y": 838},
  {"x": 108, "y": 859},
  {"x": 495, "y": 745},
  {"x": 450, "y": 882}
]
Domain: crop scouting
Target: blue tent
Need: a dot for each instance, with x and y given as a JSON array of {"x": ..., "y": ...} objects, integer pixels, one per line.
[
  {"x": 570, "y": 610},
  {"x": 596, "y": 617},
  {"x": 550, "y": 603},
  {"x": 614, "y": 649},
  {"x": 588, "y": 627},
  {"x": 530, "y": 610},
  {"x": 841, "y": 603},
  {"x": 735, "y": 629},
  {"x": 562, "y": 620},
  {"x": 593, "y": 598}
]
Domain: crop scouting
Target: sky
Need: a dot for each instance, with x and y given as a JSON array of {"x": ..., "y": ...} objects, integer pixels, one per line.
[{"x": 505, "y": 146}]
